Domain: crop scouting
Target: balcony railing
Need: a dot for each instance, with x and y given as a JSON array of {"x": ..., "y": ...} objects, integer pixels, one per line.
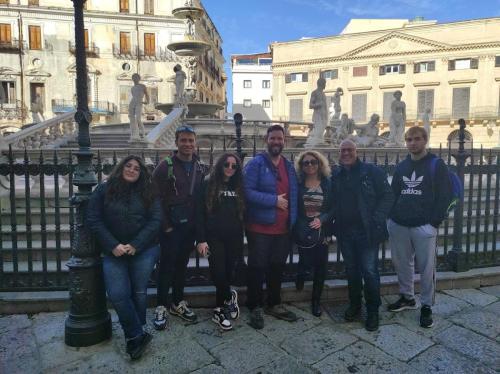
[
  {"x": 160, "y": 54},
  {"x": 90, "y": 50},
  {"x": 97, "y": 107},
  {"x": 125, "y": 53},
  {"x": 12, "y": 111},
  {"x": 12, "y": 46}
]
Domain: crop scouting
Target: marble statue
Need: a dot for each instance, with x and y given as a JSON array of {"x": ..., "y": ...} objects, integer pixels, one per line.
[
  {"x": 180, "y": 77},
  {"x": 397, "y": 121},
  {"x": 139, "y": 93},
  {"x": 367, "y": 135},
  {"x": 346, "y": 127},
  {"x": 3, "y": 96},
  {"x": 426, "y": 119},
  {"x": 320, "y": 113},
  {"x": 37, "y": 109},
  {"x": 336, "y": 103}
]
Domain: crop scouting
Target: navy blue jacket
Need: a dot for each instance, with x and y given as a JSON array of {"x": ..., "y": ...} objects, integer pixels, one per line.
[
  {"x": 125, "y": 221},
  {"x": 375, "y": 200},
  {"x": 260, "y": 190},
  {"x": 326, "y": 215}
]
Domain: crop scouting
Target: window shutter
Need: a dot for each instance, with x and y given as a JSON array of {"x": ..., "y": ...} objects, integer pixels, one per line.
[
  {"x": 288, "y": 78},
  {"x": 425, "y": 101},
  {"x": 474, "y": 63},
  {"x": 497, "y": 61},
  {"x": 335, "y": 73},
  {"x": 388, "y": 99},
  {"x": 296, "y": 109},
  {"x": 461, "y": 102},
  {"x": 305, "y": 77},
  {"x": 381, "y": 70},
  {"x": 431, "y": 66},
  {"x": 359, "y": 107},
  {"x": 402, "y": 69},
  {"x": 451, "y": 65},
  {"x": 416, "y": 68}
]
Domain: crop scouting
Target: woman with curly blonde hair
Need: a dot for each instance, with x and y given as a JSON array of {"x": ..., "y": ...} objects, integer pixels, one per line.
[{"x": 314, "y": 217}]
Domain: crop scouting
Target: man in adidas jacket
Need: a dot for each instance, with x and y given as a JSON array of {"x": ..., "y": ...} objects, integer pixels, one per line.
[{"x": 421, "y": 203}]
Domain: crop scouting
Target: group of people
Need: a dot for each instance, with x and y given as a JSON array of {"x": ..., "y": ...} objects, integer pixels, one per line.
[{"x": 139, "y": 218}]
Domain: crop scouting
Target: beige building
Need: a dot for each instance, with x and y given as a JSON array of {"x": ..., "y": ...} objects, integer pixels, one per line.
[
  {"x": 122, "y": 37},
  {"x": 451, "y": 69}
]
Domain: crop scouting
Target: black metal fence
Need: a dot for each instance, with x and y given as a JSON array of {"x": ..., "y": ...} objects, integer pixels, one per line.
[{"x": 38, "y": 224}]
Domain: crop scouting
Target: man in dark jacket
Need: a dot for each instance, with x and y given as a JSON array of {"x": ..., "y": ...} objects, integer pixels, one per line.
[
  {"x": 362, "y": 200},
  {"x": 422, "y": 198},
  {"x": 176, "y": 179},
  {"x": 271, "y": 202}
]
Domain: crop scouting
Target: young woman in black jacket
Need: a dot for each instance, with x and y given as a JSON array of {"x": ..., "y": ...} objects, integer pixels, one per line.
[
  {"x": 125, "y": 219},
  {"x": 314, "y": 212},
  {"x": 219, "y": 232}
]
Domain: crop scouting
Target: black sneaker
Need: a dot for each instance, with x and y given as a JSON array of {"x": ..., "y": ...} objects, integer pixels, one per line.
[
  {"x": 426, "y": 317},
  {"x": 316, "y": 308},
  {"x": 352, "y": 313},
  {"x": 182, "y": 310},
  {"x": 280, "y": 312},
  {"x": 137, "y": 346},
  {"x": 219, "y": 317},
  {"x": 402, "y": 304},
  {"x": 160, "y": 322},
  {"x": 256, "y": 319},
  {"x": 231, "y": 305},
  {"x": 371, "y": 323}
]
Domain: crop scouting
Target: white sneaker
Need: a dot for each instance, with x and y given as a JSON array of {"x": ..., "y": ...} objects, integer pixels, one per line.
[
  {"x": 220, "y": 319},
  {"x": 160, "y": 321},
  {"x": 232, "y": 305}
]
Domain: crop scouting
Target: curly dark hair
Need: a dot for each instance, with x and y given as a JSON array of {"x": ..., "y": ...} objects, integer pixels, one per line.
[
  {"x": 118, "y": 188},
  {"x": 216, "y": 183}
]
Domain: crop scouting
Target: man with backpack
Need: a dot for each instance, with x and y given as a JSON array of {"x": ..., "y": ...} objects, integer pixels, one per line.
[
  {"x": 423, "y": 193},
  {"x": 176, "y": 180}
]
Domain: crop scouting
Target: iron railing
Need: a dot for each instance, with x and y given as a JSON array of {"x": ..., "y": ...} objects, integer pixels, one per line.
[
  {"x": 99, "y": 107},
  {"x": 91, "y": 50},
  {"x": 38, "y": 223}
]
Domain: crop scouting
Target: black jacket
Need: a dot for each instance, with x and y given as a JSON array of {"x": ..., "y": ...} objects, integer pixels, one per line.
[
  {"x": 421, "y": 198},
  {"x": 326, "y": 215},
  {"x": 125, "y": 221},
  {"x": 375, "y": 200}
]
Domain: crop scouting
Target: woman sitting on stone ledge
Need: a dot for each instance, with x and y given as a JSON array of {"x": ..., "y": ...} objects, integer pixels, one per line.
[{"x": 125, "y": 218}]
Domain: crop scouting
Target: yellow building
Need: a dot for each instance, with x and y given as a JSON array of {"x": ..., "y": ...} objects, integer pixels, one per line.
[{"x": 452, "y": 69}]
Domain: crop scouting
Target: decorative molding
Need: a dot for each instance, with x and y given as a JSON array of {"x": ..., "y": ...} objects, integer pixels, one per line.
[
  {"x": 360, "y": 88},
  {"x": 497, "y": 79},
  {"x": 396, "y": 85},
  {"x": 8, "y": 71},
  {"x": 296, "y": 93},
  {"x": 462, "y": 81},
  {"x": 425, "y": 84}
]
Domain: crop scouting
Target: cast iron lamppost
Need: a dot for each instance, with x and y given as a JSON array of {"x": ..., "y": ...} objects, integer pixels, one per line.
[
  {"x": 238, "y": 121},
  {"x": 456, "y": 257},
  {"x": 88, "y": 322}
]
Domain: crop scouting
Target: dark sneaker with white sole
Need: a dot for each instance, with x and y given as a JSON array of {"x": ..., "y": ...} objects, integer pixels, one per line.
[
  {"x": 137, "y": 346},
  {"x": 182, "y": 310},
  {"x": 402, "y": 304},
  {"x": 256, "y": 319},
  {"x": 352, "y": 313},
  {"x": 219, "y": 317},
  {"x": 231, "y": 306},
  {"x": 426, "y": 317},
  {"x": 160, "y": 322}
]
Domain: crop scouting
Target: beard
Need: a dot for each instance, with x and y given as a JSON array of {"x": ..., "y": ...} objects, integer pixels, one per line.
[{"x": 274, "y": 150}]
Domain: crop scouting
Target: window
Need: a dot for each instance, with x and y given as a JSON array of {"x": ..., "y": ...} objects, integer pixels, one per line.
[
  {"x": 463, "y": 64},
  {"x": 33, "y": 2},
  {"x": 153, "y": 95},
  {"x": 392, "y": 69},
  {"x": 266, "y": 84},
  {"x": 8, "y": 91},
  {"x": 247, "y": 103},
  {"x": 149, "y": 7},
  {"x": 330, "y": 74},
  {"x": 265, "y": 61},
  {"x": 124, "y": 43},
  {"x": 5, "y": 34},
  {"x": 124, "y": 6},
  {"x": 360, "y": 71},
  {"x": 424, "y": 67},
  {"x": 246, "y": 61},
  {"x": 86, "y": 38},
  {"x": 35, "y": 37},
  {"x": 425, "y": 101},
  {"x": 359, "y": 107},
  {"x": 4, "y": 2},
  {"x": 296, "y": 77},
  {"x": 460, "y": 103},
  {"x": 388, "y": 99},
  {"x": 497, "y": 61},
  {"x": 296, "y": 109},
  {"x": 266, "y": 103},
  {"x": 124, "y": 98},
  {"x": 149, "y": 44},
  {"x": 247, "y": 84}
]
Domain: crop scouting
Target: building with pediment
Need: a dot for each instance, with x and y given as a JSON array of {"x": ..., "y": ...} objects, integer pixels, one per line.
[
  {"x": 451, "y": 69},
  {"x": 122, "y": 37}
]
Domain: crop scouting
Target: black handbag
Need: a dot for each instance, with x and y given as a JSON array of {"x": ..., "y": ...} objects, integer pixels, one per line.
[{"x": 305, "y": 236}]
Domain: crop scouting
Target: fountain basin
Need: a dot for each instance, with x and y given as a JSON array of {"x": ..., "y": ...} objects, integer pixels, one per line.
[
  {"x": 195, "y": 109},
  {"x": 188, "y": 12},
  {"x": 188, "y": 48}
]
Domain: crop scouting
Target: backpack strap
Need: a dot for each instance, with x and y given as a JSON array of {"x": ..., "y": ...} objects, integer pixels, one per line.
[{"x": 170, "y": 167}]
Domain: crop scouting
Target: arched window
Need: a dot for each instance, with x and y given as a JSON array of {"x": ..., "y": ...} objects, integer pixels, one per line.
[{"x": 454, "y": 136}]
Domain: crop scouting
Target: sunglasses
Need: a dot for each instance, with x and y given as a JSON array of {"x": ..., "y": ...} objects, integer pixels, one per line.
[
  {"x": 184, "y": 129},
  {"x": 310, "y": 162},
  {"x": 232, "y": 166}
]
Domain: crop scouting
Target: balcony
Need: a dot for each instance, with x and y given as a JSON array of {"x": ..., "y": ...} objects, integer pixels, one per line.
[
  {"x": 12, "y": 46},
  {"x": 124, "y": 53},
  {"x": 96, "y": 107},
  {"x": 161, "y": 54},
  {"x": 90, "y": 50},
  {"x": 12, "y": 111}
]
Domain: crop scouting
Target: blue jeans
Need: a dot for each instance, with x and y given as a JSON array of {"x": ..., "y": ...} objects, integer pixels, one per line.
[
  {"x": 361, "y": 263},
  {"x": 126, "y": 279}
]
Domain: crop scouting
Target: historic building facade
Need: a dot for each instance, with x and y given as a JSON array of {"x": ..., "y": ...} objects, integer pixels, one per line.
[
  {"x": 252, "y": 85},
  {"x": 122, "y": 37},
  {"x": 450, "y": 69}
]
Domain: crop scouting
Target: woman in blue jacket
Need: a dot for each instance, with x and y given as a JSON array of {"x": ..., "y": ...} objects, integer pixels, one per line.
[
  {"x": 125, "y": 218},
  {"x": 314, "y": 220}
]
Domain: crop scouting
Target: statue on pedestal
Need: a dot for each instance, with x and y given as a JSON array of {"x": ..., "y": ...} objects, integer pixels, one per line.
[
  {"x": 37, "y": 109},
  {"x": 367, "y": 135},
  {"x": 320, "y": 114},
  {"x": 180, "y": 77},
  {"x": 138, "y": 92},
  {"x": 426, "y": 119},
  {"x": 397, "y": 121},
  {"x": 336, "y": 103}
]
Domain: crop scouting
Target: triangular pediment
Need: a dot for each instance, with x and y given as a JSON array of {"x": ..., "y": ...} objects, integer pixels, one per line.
[
  {"x": 4, "y": 70},
  {"x": 126, "y": 76},
  {"x": 37, "y": 73},
  {"x": 90, "y": 69},
  {"x": 396, "y": 43}
]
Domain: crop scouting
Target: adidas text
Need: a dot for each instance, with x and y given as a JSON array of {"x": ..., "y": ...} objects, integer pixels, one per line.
[{"x": 411, "y": 191}]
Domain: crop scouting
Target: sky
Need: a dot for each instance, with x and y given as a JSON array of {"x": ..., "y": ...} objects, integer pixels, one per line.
[{"x": 249, "y": 26}]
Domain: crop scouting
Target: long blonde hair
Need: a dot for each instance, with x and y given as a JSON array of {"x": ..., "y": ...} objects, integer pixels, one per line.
[{"x": 323, "y": 167}]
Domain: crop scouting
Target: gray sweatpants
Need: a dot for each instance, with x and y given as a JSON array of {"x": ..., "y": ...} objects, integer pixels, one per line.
[{"x": 408, "y": 244}]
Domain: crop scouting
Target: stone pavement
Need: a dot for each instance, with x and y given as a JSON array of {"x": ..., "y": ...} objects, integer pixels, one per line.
[{"x": 465, "y": 339}]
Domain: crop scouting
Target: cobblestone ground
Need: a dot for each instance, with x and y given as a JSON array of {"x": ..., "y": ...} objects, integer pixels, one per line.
[{"x": 465, "y": 339}]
